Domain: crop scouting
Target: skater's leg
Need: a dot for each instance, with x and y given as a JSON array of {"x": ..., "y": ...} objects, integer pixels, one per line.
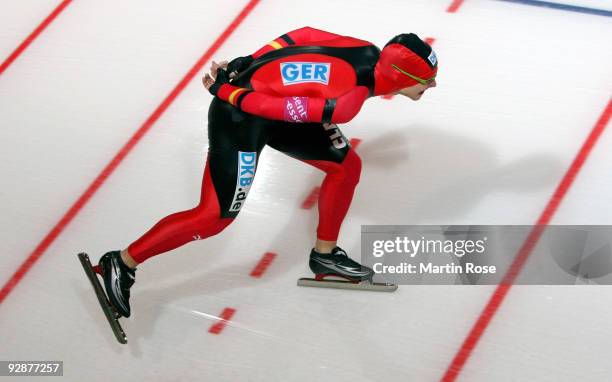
[
  {"x": 183, "y": 227},
  {"x": 324, "y": 147},
  {"x": 335, "y": 196},
  {"x": 235, "y": 142},
  {"x": 171, "y": 232}
]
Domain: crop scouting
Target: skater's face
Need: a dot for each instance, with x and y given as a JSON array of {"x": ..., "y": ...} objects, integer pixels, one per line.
[{"x": 415, "y": 92}]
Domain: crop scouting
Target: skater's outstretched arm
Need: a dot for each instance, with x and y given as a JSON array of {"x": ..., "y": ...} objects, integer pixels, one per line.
[{"x": 290, "y": 109}]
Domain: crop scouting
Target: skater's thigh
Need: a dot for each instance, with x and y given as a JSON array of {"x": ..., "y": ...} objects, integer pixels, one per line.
[
  {"x": 310, "y": 141},
  {"x": 235, "y": 144},
  {"x": 232, "y": 129}
]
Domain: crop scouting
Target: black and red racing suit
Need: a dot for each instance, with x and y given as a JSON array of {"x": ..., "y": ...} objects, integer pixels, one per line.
[{"x": 292, "y": 95}]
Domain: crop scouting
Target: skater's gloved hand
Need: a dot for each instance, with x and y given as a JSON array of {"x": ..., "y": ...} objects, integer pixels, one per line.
[
  {"x": 220, "y": 77},
  {"x": 238, "y": 65}
]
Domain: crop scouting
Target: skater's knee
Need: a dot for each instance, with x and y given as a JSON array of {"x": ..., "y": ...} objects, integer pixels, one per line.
[
  {"x": 221, "y": 224},
  {"x": 210, "y": 223},
  {"x": 347, "y": 171},
  {"x": 351, "y": 167}
]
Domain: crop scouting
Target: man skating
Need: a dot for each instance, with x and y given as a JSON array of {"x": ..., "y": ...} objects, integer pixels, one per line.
[{"x": 288, "y": 95}]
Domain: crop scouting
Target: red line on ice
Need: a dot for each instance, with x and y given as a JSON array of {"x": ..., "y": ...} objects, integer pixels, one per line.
[
  {"x": 224, "y": 317},
  {"x": 17, "y": 52},
  {"x": 118, "y": 158},
  {"x": 311, "y": 199},
  {"x": 355, "y": 143},
  {"x": 263, "y": 264},
  {"x": 454, "y": 6},
  {"x": 500, "y": 292}
]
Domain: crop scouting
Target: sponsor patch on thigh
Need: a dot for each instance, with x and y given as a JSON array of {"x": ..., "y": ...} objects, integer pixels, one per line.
[{"x": 246, "y": 173}]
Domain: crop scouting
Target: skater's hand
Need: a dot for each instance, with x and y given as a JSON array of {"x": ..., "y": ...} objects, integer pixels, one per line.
[
  {"x": 209, "y": 78},
  {"x": 218, "y": 76},
  {"x": 238, "y": 65},
  {"x": 214, "y": 67}
]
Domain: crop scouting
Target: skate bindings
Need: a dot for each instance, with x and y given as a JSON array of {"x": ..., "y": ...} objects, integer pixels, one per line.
[{"x": 337, "y": 264}]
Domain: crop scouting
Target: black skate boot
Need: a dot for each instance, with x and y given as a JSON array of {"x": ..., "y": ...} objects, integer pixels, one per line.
[
  {"x": 118, "y": 279},
  {"x": 339, "y": 264}
]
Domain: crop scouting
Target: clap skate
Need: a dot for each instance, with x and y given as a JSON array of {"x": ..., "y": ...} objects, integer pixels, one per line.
[
  {"x": 110, "y": 311},
  {"x": 346, "y": 273}
]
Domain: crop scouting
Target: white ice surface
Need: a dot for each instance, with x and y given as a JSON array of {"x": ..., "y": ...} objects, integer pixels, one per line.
[{"x": 518, "y": 91}]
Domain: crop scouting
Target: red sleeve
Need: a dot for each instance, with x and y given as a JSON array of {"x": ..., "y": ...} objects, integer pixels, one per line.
[
  {"x": 296, "y": 109},
  {"x": 297, "y": 37}
]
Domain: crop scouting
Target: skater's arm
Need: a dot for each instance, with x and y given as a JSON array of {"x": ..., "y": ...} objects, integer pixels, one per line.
[
  {"x": 289, "y": 108},
  {"x": 296, "y": 109},
  {"x": 296, "y": 37}
]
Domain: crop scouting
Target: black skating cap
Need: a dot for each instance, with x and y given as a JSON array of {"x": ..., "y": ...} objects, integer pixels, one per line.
[{"x": 415, "y": 44}]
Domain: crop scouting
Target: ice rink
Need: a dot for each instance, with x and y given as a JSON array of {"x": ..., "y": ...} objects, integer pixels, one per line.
[{"x": 103, "y": 132}]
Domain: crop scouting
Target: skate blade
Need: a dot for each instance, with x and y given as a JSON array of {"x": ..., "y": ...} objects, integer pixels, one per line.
[
  {"x": 342, "y": 284},
  {"x": 111, "y": 315}
]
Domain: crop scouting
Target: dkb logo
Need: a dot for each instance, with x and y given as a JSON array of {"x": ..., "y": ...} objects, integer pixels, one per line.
[{"x": 246, "y": 174}]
